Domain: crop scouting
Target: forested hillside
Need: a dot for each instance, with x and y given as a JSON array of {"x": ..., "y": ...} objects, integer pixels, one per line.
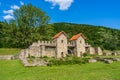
[
  {"x": 104, "y": 37},
  {"x": 12, "y": 36}
]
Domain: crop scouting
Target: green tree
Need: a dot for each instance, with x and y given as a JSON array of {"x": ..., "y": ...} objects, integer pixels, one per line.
[
  {"x": 30, "y": 16},
  {"x": 1, "y": 26},
  {"x": 49, "y": 32},
  {"x": 24, "y": 29},
  {"x": 27, "y": 20}
]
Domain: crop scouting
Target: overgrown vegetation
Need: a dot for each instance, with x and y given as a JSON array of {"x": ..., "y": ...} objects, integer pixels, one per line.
[{"x": 67, "y": 61}]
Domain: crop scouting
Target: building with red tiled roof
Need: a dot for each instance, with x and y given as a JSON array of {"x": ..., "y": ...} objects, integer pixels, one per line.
[
  {"x": 75, "y": 37},
  {"x": 58, "y": 34},
  {"x": 79, "y": 41},
  {"x": 60, "y": 47}
]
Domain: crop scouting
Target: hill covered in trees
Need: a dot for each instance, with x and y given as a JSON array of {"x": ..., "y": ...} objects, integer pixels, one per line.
[
  {"x": 106, "y": 38},
  {"x": 31, "y": 24},
  {"x": 17, "y": 37}
]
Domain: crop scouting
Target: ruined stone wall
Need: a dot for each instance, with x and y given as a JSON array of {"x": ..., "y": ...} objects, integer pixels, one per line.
[
  {"x": 91, "y": 50},
  {"x": 37, "y": 49},
  {"x": 49, "y": 51},
  {"x": 34, "y": 51},
  {"x": 99, "y": 51},
  {"x": 95, "y": 50},
  {"x": 6, "y": 57}
]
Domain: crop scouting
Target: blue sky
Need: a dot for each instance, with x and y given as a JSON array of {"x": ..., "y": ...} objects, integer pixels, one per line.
[{"x": 93, "y": 12}]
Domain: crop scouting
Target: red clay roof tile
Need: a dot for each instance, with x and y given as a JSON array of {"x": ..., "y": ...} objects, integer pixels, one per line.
[
  {"x": 75, "y": 37},
  {"x": 58, "y": 34}
]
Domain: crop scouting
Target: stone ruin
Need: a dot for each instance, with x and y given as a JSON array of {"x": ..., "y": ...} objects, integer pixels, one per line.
[{"x": 59, "y": 47}]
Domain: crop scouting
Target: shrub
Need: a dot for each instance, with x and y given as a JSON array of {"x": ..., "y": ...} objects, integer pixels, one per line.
[
  {"x": 67, "y": 61},
  {"x": 89, "y": 55},
  {"x": 86, "y": 54}
]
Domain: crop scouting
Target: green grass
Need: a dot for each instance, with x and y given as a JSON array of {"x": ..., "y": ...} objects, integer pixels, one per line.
[
  {"x": 117, "y": 50},
  {"x": 111, "y": 51},
  {"x": 9, "y": 51},
  {"x": 110, "y": 56},
  {"x": 14, "y": 70}
]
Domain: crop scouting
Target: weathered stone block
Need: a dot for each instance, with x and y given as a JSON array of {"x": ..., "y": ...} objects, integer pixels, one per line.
[{"x": 92, "y": 60}]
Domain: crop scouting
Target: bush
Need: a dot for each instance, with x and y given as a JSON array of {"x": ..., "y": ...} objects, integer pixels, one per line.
[
  {"x": 67, "y": 61},
  {"x": 89, "y": 55},
  {"x": 86, "y": 54}
]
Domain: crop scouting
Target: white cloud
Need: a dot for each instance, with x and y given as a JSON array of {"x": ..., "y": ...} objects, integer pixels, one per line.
[
  {"x": 8, "y": 17},
  {"x": 63, "y": 4},
  {"x": 15, "y": 7},
  {"x": 22, "y": 3},
  {"x": 8, "y": 12}
]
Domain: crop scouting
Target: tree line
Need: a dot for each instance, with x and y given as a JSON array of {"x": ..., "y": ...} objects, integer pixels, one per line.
[
  {"x": 106, "y": 38},
  {"x": 31, "y": 24}
]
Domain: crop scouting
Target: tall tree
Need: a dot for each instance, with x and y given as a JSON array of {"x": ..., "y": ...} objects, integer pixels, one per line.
[
  {"x": 27, "y": 20},
  {"x": 49, "y": 32},
  {"x": 30, "y": 16},
  {"x": 1, "y": 26}
]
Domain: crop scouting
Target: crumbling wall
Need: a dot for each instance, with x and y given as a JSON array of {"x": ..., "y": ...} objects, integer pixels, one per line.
[
  {"x": 99, "y": 51},
  {"x": 50, "y": 51},
  {"x": 91, "y": 50}
]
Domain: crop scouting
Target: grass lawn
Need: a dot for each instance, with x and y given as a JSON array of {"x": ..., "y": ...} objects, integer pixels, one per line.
[
  {"x": 14, "y": 70},
  {"x": 9, "y": 51}
]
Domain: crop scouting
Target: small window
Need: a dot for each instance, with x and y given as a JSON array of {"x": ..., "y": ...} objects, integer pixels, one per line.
[
  {"x": 80, "y": 41},
  {"x": 61, "y": 41}
]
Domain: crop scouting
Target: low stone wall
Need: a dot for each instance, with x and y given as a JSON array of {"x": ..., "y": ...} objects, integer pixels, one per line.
[{"x": 6, "y": 57}]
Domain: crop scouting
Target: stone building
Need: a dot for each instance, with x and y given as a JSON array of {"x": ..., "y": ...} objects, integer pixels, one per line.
[
  {"x": 60, "y": 47},
  {"x": 79, "y": 44}
]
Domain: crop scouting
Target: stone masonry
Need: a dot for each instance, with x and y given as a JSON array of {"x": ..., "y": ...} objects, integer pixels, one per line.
[{"x": 60, "y": 47}]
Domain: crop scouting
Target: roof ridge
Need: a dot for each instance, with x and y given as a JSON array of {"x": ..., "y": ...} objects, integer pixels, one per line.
[
  {"x": 75, "y": 37},
  {"x": 58, "y": 34}
]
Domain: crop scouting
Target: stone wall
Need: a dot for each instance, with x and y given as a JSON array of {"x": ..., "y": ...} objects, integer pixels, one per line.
[
  {"x": 91, "y": 50},
  {"x": 49, "y": 51},
  {"x": 99, "y": 51},
  {"x": 94, "y": 50},
  {"x": 34, "y": 51},
  {"x": 59, "y": 48},
  {"x": 23, "y": 54},
  {"x": 6, "y": 57}
]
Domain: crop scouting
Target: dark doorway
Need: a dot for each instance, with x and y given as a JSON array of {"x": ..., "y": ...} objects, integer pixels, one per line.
[
  {"x": 69, "y": 51},
  {"x": 62, "y": 55}
]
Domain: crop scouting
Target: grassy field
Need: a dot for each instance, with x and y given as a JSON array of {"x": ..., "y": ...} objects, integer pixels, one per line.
[
  {"x": 14, "y": 70},
  {"x": 111, "y": 51},
  {"x": 9, "y": 51}
]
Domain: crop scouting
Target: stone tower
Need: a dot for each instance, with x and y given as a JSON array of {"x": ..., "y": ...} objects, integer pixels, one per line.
[
  {"x": 60, "y": 40},
  {"x": 79, "y": 42}
]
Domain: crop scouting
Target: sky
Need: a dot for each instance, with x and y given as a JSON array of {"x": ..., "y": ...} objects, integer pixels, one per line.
[{"x": 92, "y": 12}]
